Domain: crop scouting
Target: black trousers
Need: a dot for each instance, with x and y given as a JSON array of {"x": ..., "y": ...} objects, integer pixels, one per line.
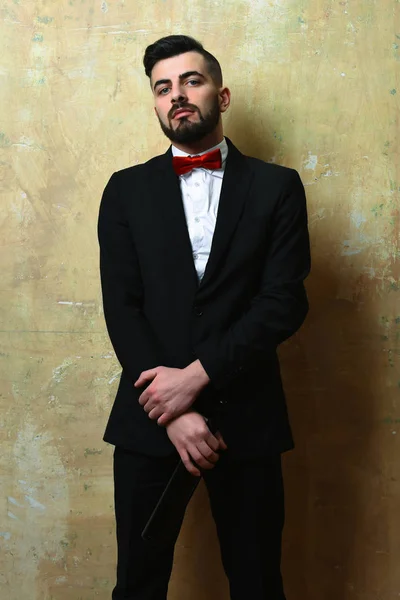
[{"x": 247, "y": 504}]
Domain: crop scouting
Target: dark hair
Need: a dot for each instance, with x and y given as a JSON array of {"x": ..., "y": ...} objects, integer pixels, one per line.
[{"x": 172, "y": 45}]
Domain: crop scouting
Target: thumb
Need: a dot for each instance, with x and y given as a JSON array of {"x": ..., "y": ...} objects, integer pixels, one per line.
[
  {"x": 221, "y": 440},
  {"x": 145, "y": 376}
]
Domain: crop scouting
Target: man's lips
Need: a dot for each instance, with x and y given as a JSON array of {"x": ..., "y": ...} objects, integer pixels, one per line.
[{"x": 182, "y": 112}]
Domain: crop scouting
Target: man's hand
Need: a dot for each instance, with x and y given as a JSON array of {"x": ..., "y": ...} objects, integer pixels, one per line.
[
  {"x": 172, "y": 391},
  {"x": 195, "y": 442}
]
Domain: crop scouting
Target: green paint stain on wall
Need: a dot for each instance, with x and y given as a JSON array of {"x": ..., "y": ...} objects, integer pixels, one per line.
[
  {"x": 38, "y": 37},
  {"x": 393, "y": 91},
  {"x": 101, "y": 582},
  {"x": 91, "y": 451},
  {"x": 4, "y": 141},
  {"x": 125, "y": 39},
  {"x": 45, "y": 20},
  {"x": 391, "y": 420},
  {"x": 386, "y": 147},
  {"x": 377, "y": 210}
]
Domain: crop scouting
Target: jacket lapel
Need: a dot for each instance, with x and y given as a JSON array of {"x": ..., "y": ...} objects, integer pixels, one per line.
[
  {"x": 235, "y": 186},
  {"x": 166, "y": 193}
]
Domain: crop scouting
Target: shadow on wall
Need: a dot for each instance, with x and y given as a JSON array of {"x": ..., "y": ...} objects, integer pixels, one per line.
[
  {"x": 328, "y": 372},
  {"x": 249, "y": 134}
]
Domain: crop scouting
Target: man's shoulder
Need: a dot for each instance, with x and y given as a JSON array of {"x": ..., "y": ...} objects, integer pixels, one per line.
[
  {"x": 141, "y": 169},
  {"x": 269, "y": 169}
]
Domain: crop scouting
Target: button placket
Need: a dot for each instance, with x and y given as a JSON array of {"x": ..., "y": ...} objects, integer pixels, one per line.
[
  {"x": 197, "y": 311},
  {"x": 198, "y": 210}
]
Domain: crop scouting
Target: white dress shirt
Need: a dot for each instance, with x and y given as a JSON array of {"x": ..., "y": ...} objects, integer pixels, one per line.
[{"x": 201, "y": 189}]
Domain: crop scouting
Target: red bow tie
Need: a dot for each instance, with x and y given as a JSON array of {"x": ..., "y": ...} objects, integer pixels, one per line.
[{"x": 210, "y": 160}]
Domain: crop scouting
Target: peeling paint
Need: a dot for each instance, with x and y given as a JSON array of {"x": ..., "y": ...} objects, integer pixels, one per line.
[
  {"x": 34, "y": 503},
  {"x": 311, "y": 162}
]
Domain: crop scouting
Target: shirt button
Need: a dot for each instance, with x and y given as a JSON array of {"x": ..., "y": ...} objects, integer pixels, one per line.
[
  {"x": 197, "y": 220},
  {"x": 197, "y": 311},
  {"x": 195, "y": 256},
  {"x": 196, "y": 184}
]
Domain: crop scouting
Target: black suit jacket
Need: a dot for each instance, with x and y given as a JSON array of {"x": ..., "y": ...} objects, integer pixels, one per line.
[{"x": 250, "y": 299}]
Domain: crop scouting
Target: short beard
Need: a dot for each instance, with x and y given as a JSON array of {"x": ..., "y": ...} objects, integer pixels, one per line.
[{"x": 188, "y": 132}]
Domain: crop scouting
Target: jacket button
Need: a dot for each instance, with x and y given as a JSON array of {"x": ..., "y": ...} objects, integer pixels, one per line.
[{"x": 197, "y": 311}]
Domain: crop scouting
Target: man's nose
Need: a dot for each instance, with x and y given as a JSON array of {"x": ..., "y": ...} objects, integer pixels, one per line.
[{"x": 178, "y": 96}]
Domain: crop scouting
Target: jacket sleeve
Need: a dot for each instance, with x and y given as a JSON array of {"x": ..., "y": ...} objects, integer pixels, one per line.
[
  {"x": 279, "y": 308},
  {"x": 133, "y": 340}
]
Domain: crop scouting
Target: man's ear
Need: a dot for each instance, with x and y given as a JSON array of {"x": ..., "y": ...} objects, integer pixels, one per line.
[{"x": 224, "y": 99}]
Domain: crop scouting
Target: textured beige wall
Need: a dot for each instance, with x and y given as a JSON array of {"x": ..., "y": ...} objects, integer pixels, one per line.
[{"x": 316, "y": 87}]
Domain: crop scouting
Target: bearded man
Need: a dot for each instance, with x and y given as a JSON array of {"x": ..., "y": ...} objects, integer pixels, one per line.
[{"x": 203, "y": 257}]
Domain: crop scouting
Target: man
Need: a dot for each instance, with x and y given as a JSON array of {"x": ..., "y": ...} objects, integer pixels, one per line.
[{"x": 202, "y": 266}]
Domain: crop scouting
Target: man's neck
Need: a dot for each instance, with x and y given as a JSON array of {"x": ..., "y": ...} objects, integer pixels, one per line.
[{"x": 211, "y": 140}]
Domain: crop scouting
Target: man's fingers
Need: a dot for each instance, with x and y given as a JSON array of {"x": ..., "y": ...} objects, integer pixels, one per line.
[
  {"x": 208, "y": 452},
  {"x": 144, "y": 397},
  {"x": 145, "y": 376},
  {"x": 221, "y": 441},
  {"x": 164, "y": 419},
  {"x": 199, "y": 458},
  {"x": 154, "y": 413},
  {"x": 188, "y": 463},
  {"x": 212, "y": 441}
]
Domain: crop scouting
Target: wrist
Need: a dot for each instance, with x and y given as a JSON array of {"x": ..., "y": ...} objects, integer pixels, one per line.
[{"x": 198, "y": 375}]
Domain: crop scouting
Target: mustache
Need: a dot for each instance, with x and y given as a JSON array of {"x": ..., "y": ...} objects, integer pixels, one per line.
[{"x": 177, "y": 107}]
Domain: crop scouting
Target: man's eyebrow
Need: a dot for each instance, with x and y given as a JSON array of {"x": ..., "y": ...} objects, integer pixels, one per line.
[
  {"x": 161, "y": 82},
  {"x": 182, "y": 76},
  {"x": 190, "y": 74}
]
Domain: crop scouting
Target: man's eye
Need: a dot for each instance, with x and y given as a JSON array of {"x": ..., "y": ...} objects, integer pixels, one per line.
[
  {"x": 162, "y": 91},
  {"x": 193, "y": 81}
]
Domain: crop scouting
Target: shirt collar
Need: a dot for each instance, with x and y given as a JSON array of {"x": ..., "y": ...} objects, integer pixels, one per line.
[{"x": 223, "y": 146}]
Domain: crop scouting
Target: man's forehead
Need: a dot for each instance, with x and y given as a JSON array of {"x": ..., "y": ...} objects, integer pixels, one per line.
[{"x": 176, "y": 65}]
